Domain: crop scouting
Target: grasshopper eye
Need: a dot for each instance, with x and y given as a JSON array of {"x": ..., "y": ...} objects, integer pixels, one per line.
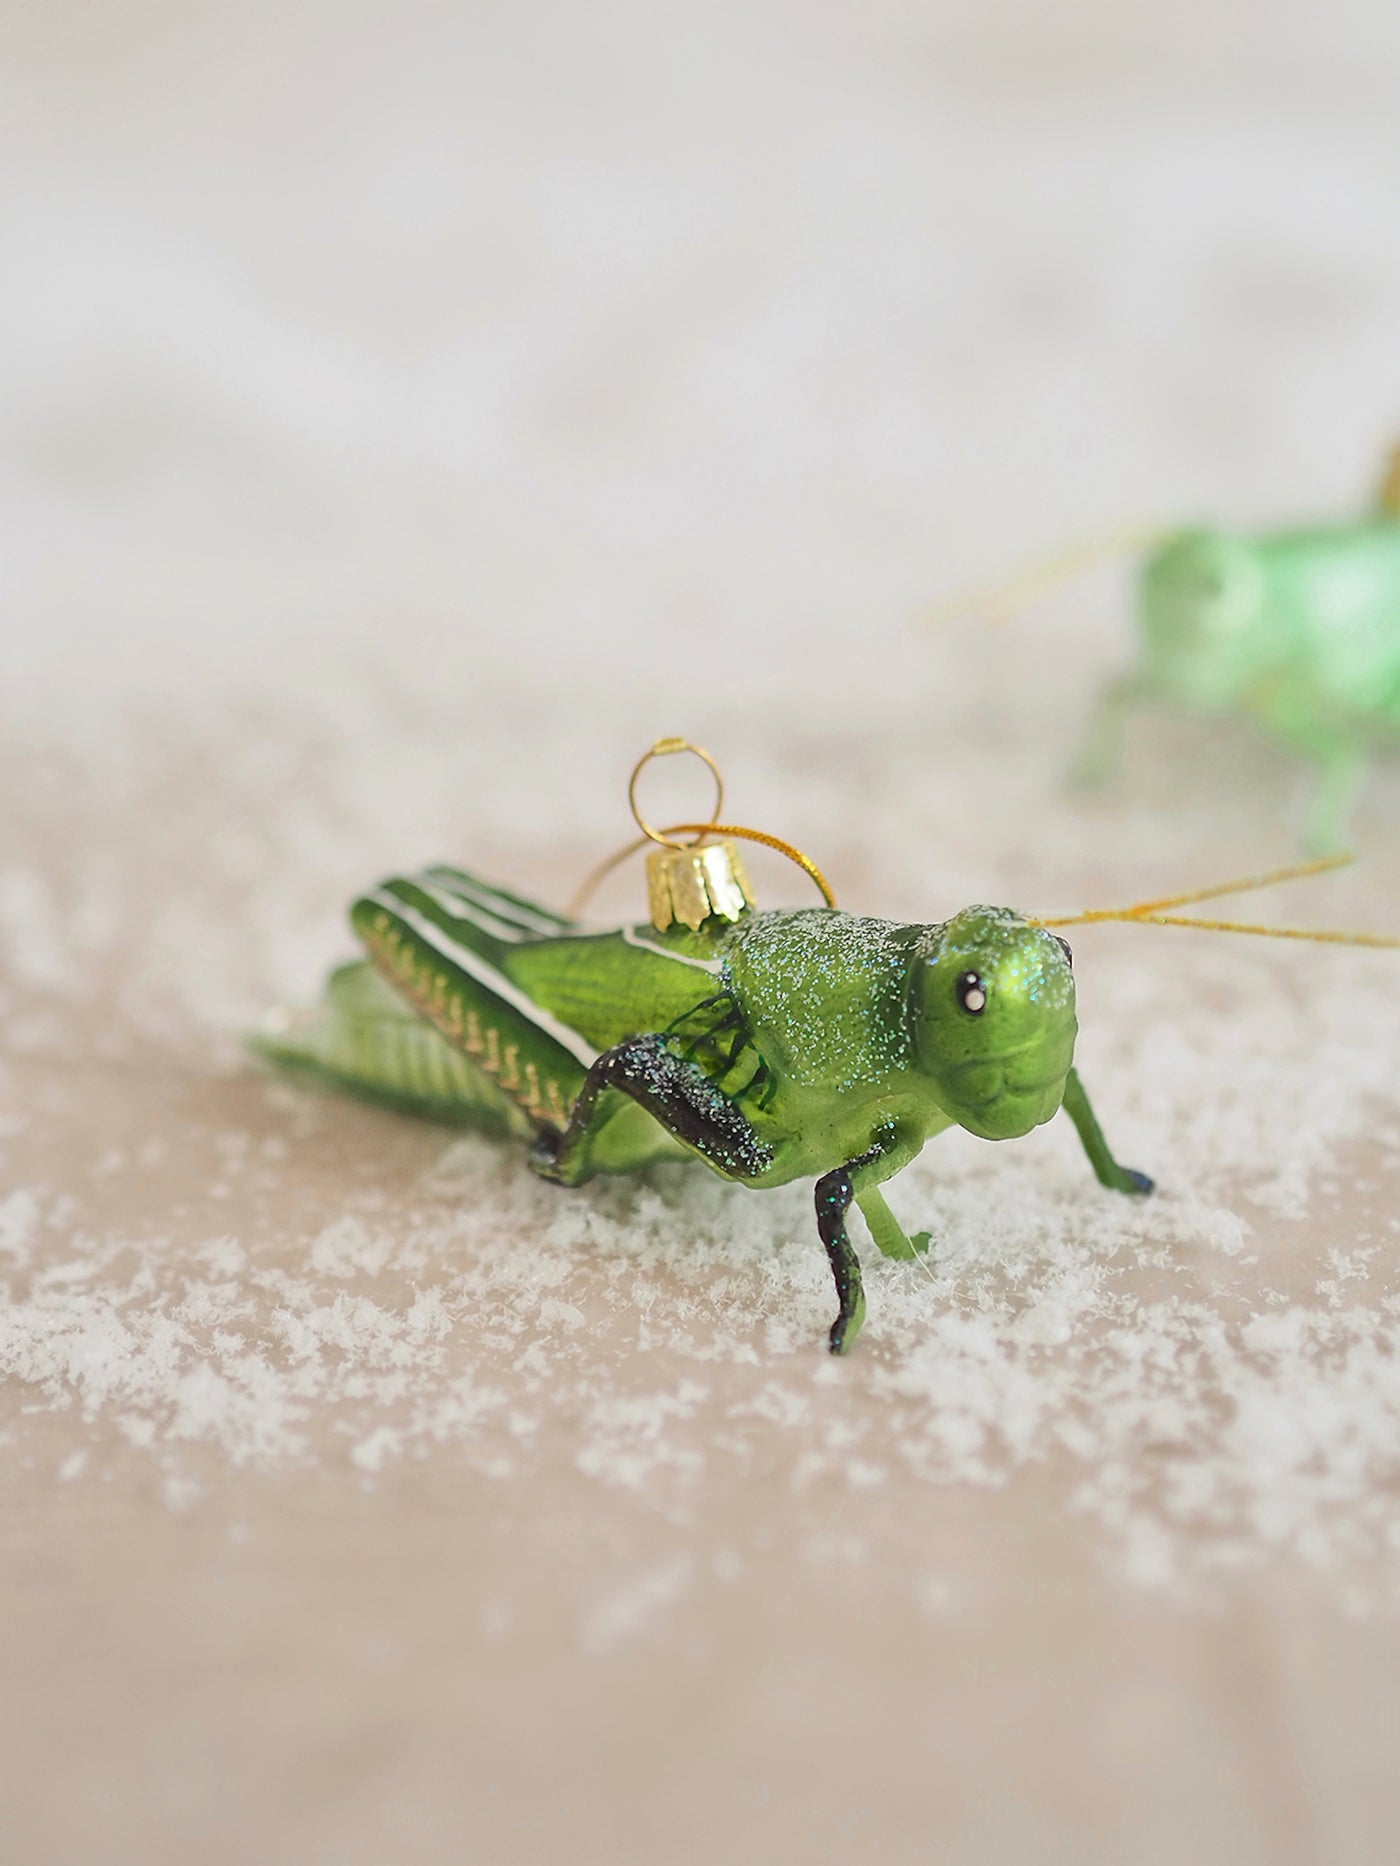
[
  {"x": 972, "y": 994},
  {"x": 1063, "y": 945}
]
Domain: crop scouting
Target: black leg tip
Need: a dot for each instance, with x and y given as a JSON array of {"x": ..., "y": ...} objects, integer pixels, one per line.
[
  {"x": 1138, "y": 1183},
  {"x": 847, "y": 1326},
  {"x": 544, "y": 1154}
]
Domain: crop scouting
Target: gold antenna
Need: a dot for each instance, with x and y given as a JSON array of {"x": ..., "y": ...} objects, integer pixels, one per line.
[
  {"x": 690, "y": 881},
  {"x": 998, "y": 602},
  {"x": 1295, "y": 871},
  {"x": 1388, "y": 498},
  {"x": 1157, "y": 912}
]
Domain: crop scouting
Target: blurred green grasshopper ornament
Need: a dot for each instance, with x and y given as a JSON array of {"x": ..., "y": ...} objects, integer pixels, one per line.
[
  {"x": 1298, "y": 630},
  {"x": 800, "y": 1043}
]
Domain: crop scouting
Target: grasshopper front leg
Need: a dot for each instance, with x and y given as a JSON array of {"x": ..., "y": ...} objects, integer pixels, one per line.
[
  {"x": 892, "y": 1155},
  {"x": 858, "y": 1179},
  {"x": 890, "y": 1237},
  {"x": 674, "y": 1092},
  {"x": 1109, "y": 1173}
]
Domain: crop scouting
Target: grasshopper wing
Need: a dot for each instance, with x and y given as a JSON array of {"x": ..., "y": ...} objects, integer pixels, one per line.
[
  {"x": 442, "y": 941},
  {"x": 602, "y": 986},
  {"x": 479, "y": 1005},
  {"x": 363, "y": 1037}
]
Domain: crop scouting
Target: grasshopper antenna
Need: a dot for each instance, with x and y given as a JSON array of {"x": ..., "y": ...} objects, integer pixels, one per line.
[
  {"x": 1388, "y": 495},
  {"x": 999, "y": 602},
  {"x": 1161, "y": 913}
]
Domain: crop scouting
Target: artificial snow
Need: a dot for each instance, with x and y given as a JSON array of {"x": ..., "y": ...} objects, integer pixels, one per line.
[{"x": 1208, "y": 1378}]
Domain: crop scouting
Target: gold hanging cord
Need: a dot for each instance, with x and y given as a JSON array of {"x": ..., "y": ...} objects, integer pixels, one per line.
[
  {"x": 698, "y": 832},
  {"x": 1156, "y": 913}
]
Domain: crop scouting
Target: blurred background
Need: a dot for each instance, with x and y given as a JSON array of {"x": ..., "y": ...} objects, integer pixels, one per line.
[
  {"x": 666, "y": 335},
  {"x": 408, "y": 413}
]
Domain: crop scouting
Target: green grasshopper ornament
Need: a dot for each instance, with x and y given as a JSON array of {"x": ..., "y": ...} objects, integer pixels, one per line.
[
  {"x": 1297, "y": 630},
  {"x": 771, "y": 1046}
]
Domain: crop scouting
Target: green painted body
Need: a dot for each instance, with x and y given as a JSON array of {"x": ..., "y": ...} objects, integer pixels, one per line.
[
  {"x": 1298, "y": 631},
  {"x": 833, "y": 1045}
]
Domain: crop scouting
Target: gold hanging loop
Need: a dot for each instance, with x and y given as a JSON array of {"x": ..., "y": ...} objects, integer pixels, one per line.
[
  {"x": 664, "y": 748},
  {"x": 691, "y": 882}
]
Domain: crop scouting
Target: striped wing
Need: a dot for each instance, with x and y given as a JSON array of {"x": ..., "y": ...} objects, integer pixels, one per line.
[
  {"x": 530, "y": 997},
  {"x": 440, "y": 949}
]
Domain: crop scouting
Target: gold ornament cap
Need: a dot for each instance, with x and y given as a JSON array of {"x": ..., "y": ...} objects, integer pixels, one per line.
[
  {"x": 690, "y": 882},
  {"x": 696, "y": 884}
]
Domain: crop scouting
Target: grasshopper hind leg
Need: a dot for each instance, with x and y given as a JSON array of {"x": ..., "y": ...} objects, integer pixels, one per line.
[{"x": 674, "y": 1092}]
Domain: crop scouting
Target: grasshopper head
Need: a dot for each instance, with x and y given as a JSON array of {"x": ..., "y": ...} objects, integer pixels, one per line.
[
  {"x": 1203, "y": 622},
  {"x": 994, "y": 1024}
]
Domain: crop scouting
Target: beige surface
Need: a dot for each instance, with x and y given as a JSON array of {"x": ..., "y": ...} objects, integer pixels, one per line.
[
  {"x": 596, "y": 1555},
  {"x": 404, "y": 425}
]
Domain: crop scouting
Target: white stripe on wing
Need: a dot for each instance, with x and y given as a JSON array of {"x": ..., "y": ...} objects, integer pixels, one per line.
[
  {"x": 508, "y": 931},
  {"x": 485, "y": 974},
  {"x": 529, "y": 919},
  {"x": 631, "y": 937}
]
